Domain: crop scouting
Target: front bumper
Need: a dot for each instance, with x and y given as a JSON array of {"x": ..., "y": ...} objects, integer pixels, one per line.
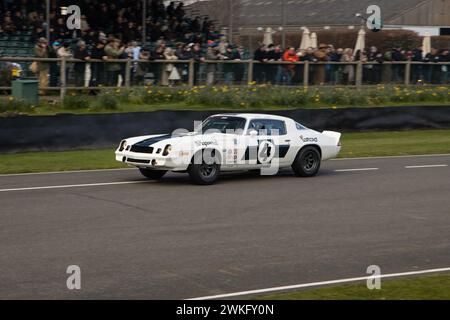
[{"x": 151, "y": 161}]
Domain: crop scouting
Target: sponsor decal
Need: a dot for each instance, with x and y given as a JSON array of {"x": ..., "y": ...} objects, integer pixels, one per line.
[
  {"x": 306, "y": 139},
  {"x": 206, "y": 143}
]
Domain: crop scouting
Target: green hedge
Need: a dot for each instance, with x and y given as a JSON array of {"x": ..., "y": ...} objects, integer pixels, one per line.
[
  {"x": 241, "y": 98},
  {"x": 259, "y": 96}
]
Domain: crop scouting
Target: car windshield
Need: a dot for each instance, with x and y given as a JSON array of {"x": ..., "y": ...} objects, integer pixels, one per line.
[{"x": 223, "y": 125}]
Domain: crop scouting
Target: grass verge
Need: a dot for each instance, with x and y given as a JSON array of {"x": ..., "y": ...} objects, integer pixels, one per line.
[
  {"x": 354, "y": 145},
  {"x": 434, "y": 287}
]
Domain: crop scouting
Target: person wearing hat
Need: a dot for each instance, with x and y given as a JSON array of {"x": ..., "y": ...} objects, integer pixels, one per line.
[
  {"x": 41, "y": 68},
  {"x": 321, "y": 56}
]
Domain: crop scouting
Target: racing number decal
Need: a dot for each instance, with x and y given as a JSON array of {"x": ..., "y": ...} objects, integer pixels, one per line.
[{"x": 266, "y": 152}]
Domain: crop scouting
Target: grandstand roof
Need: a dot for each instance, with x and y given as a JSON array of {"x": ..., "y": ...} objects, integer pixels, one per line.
[
  {"x": 319, "y": 12},
  {"x": 260, "y": 13}
]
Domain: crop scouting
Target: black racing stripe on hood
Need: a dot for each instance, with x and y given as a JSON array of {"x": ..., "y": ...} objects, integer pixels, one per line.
[{"x": 151, "y": 141}]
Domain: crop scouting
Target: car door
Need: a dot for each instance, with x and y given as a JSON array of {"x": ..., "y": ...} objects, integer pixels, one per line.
[{"x": 270, "y": 145}]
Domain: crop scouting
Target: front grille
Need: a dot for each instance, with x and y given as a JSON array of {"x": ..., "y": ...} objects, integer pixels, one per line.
[
  {"x": 138, "y": 161},
  {"x": 139, "y": 149}
]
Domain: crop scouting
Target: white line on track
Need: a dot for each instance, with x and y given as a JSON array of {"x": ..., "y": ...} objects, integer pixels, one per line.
[
  {"x": 64, "y": 172},
  {"x": 427, "y": 166},
  {"x": 356, "y": 170},
  {"x": 74, "y": 186},
  {"x": 395, "y": 157},
  {"x": 321, "y": 283}
]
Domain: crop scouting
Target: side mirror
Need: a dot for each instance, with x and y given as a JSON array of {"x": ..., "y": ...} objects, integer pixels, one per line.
[{"x": 253, "y": 133}]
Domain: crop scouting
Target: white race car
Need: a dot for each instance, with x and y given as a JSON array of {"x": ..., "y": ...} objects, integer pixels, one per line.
[{"x": 232, "y": 142}]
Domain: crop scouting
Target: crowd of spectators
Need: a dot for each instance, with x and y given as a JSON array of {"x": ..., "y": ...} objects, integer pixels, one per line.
[
  {"x": 121, "y": 18},
  {"x": 375, "y": 70},
  {"x": 113, "y": 30}
]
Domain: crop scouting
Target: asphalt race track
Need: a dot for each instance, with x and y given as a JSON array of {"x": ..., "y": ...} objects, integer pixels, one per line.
[{"x": 174, "y": 240}]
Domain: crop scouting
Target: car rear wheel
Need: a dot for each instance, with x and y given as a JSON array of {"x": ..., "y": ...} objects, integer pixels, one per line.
[
  {"x": 307, "y": 163},
  {"x": 152, "y": 174}
]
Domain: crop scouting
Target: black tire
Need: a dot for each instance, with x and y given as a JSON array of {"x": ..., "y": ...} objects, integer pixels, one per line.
[
  {"x": 204, "y": 173},
  {"x": 255, "y": 172},
  {"x": 307, "y": 163},
  {"x": 152, "y": 174}
]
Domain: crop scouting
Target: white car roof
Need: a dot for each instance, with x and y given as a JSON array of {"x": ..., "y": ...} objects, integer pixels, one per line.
[{"x": 253, "y": 116}]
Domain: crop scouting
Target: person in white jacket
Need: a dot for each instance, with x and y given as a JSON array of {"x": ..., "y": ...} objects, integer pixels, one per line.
[{"x": 170, "y": 74}]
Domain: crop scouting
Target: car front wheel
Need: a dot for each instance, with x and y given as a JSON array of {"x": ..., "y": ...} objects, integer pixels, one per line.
[
  {"x": 205, "y": 167},
  {"x": 307, "y": 163},
  {"x": 152, "y": 174}
]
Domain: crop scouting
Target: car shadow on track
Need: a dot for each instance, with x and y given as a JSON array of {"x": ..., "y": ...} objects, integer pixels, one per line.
[{"x": 232, "y": 177}]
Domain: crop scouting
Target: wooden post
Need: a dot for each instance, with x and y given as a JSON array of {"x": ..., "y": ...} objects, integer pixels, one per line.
[
  {"x": 250, "y": 72},
  {"x": 407, "y": 73},
  {"x": 128, "y": 74},
  {"x": 306, "y": 74},
  {"x": 191, "y": 77},
  {"x": 359, "y": 74},
  {"x": 62, "y": 69}
]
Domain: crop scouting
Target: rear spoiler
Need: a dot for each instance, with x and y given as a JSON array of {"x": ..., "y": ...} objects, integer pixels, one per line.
[{"x": 334, "y": 135}]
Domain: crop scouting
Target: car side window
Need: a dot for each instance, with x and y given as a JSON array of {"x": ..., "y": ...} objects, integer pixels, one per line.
[
  {"x": 266, "y": 127},
  {"x": 299, "y": 126}
]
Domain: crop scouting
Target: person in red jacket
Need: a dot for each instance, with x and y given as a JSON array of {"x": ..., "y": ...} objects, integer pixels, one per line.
[{"x": 289, "y": 55}]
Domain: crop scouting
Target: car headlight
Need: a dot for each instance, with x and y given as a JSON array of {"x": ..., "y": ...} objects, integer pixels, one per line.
[
  {"x": 123, "y": 145},
  {"x": 167, "y": 150}
]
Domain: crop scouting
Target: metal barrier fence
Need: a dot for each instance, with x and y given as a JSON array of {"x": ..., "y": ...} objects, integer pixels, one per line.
[{"x": 64, "y": 74}]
